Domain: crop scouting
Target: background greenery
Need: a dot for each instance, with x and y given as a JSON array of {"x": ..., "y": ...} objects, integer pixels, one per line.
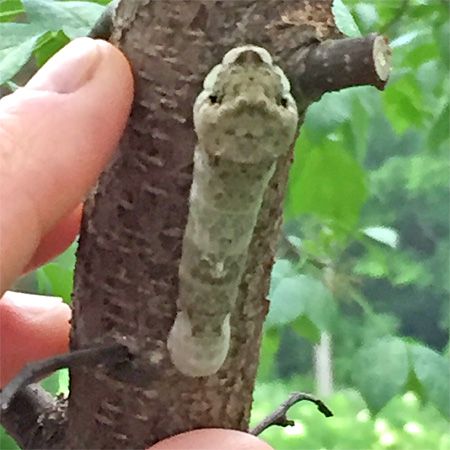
[{"x": 364, "y": 255}]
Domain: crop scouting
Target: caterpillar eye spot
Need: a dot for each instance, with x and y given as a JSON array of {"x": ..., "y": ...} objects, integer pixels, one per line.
[
  {"x": 284, "y": 102},
  {"x": 213, "y": 99}
]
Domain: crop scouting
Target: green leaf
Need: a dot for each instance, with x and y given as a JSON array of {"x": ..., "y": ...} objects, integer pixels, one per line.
[
  {"x": 56, "y": 277},
  {"x": 420, "y": 54},
  {"x": 344, "y": 20},
  {"x": 380, "y": 371},
  {"x": 48, "y": 45},
  {"x": 63, "y": 382},
  {"x": 381, "y": 136},
  {"x": 320, "y": 307},
  {"x": 331, "y": 185},
  {"x": 355, "y": 130},
  {"x": 403, "y": 103},
  {"x": 43, "y": 283},
  {"x": 414, "y": 385},
  {"x": 442, "y": 36},
  {"x": 14, "y": 58},
  {"x": 367, "y": 13},
  {"x": 14, "y": 34},
  {"x": 384, "y": 235},
  {"x": 374, "y": 264},
  {"x": 304, "y": 327},
  {"x": 67, "y": 258},
  {"x": 51, "y": 383},
  {"x": 318, "y": 125},
  {"x": 74, "y": 18},
  {"x": 440, "y": 130},
  {"x": 269, "y": 347},
  {"x": 283, "y": 268},
  {"x": 285, "y": 302},
  {"x": 405, "y": 39},
  {"x": 433, "y": 372},
  {"x": 301, "y": 295},
  {"x": 60, "y": 280},
  {"x": 57, "y": 382},
  {"x": 9, "y": 9}
]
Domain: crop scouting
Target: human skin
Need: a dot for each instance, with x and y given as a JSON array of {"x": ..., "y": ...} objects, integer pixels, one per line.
[{"x": 56, "y": 135}]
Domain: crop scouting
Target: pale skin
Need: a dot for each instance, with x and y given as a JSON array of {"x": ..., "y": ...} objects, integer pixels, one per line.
[{"x": 56, "y": 136}]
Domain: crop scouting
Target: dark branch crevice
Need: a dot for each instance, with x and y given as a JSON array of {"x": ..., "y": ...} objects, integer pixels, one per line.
[{"x": 279, "y": 417}]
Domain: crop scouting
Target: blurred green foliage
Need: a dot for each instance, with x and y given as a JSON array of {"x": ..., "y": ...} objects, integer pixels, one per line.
[
  {"x": 364, "y": 254},
  {"x": 404, "y": 424}
]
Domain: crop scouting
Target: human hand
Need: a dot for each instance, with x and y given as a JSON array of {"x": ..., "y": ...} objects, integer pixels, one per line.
[{"x": 56, "y": 136}]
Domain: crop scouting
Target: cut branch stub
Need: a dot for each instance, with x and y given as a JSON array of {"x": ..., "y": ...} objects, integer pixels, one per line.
[{"x": 337, "y": 64}]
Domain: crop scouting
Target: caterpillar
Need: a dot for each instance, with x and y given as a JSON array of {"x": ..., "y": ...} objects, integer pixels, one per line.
[{"x": 245, "y": 119}]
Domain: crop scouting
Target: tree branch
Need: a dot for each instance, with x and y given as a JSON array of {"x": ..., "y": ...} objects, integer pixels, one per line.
[
  {"x": 34, "y": 418},
  {"x": 278, "y": 417},
  {"x": 337, "y": 64}
]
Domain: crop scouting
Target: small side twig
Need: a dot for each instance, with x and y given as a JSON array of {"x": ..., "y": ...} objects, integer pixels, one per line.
[
  {"x": 278, "y": 417},
  {"x": 105, "y": 354}
]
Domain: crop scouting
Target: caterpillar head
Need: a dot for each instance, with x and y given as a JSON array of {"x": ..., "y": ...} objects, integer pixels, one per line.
[{"x": 246, "y": 112}]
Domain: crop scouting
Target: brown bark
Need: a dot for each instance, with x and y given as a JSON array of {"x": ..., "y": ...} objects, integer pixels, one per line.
[
  {"x": 35, "y": 419},
  {"x": 130, "y": 244}
]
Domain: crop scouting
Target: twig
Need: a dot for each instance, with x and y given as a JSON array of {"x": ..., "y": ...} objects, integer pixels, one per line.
[
  {"x": 278, "y": 417},
  {"x": 32, "y": 372}
]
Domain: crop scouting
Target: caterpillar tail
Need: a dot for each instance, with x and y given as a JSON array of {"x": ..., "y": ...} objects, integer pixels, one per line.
[{"x": 197, "y": 356}]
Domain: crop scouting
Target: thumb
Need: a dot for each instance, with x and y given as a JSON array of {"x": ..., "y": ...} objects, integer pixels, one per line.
[{"x": 56, "y": 135}]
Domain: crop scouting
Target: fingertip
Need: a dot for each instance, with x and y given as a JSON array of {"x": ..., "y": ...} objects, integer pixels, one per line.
[
  {"x": 32, "y": 327},
  {"x": 53, "y": 145},
  {"x": 57, "y": 239},
  {"x": 212, "y": 438}
]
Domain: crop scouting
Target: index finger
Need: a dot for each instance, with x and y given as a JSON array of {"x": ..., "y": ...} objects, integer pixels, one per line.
[{"x": 56, "y": 135}]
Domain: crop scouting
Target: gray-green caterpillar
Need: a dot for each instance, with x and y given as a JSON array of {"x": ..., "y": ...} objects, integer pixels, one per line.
[{"x": 245, "y": 119}]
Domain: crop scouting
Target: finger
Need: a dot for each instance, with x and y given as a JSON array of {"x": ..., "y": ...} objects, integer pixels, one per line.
[
  {"x": 57, "y": 239},
  {"x": 32, "y": 327},
  {"x": 208, "y": 438},
  {"x": 56, "y": 135}
]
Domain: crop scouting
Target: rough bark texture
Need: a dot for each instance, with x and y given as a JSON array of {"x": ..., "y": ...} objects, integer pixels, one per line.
[
  {"x": 126, "y": 282},
  {"x": 35, "y": 419}
]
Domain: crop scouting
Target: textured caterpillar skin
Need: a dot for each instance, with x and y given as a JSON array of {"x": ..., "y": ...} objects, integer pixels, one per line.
[{"x": 245, "y": 118}]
